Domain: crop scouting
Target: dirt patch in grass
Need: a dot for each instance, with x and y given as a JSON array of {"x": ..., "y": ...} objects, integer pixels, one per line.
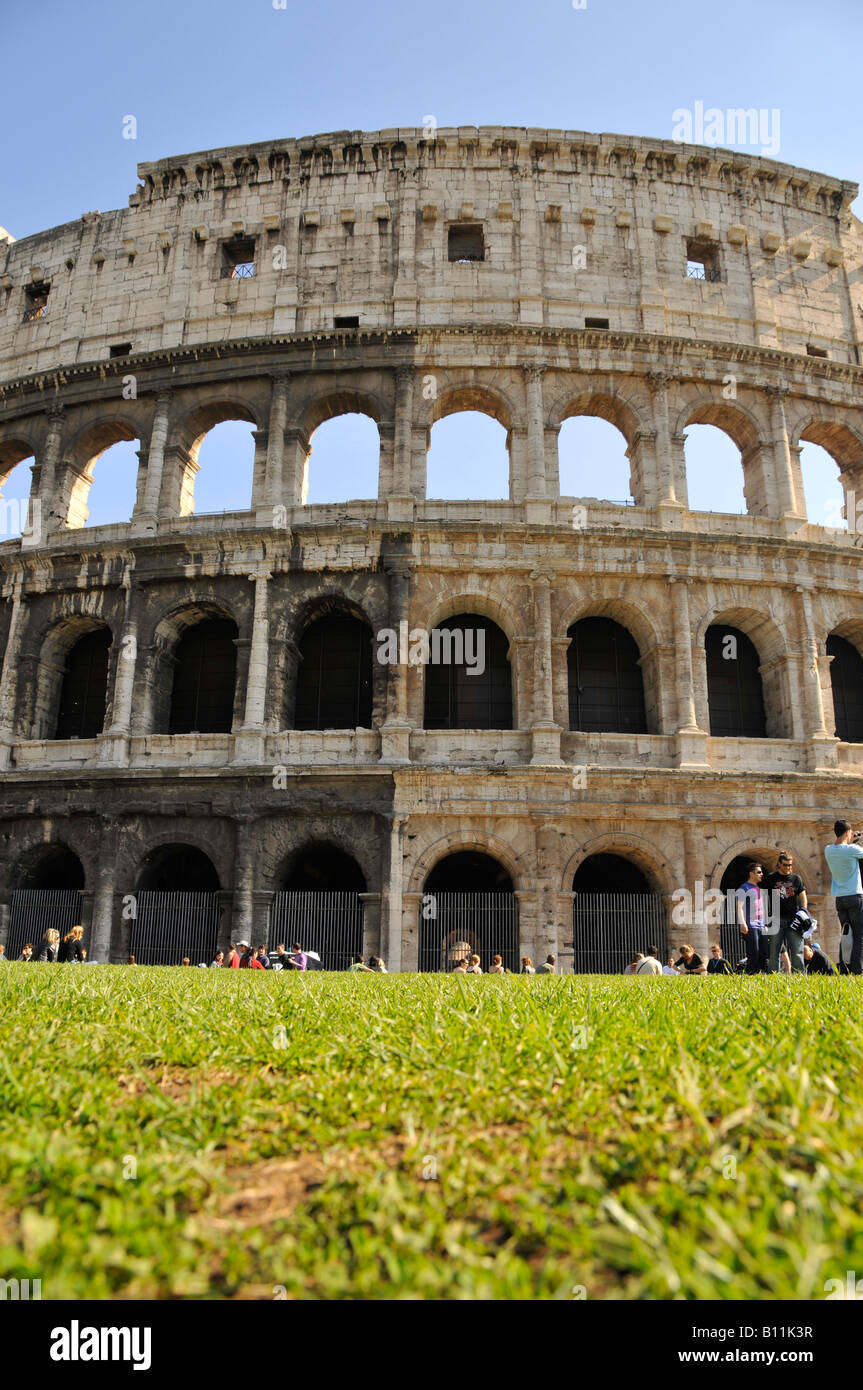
[{"x": 175, "y": 1082}]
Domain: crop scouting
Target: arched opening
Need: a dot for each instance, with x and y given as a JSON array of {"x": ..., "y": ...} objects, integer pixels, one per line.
[
  {"x": 846, "y": 677},
  {"x": 468, "y": 908},
  {"x": 734, "y": 876},
  {"x": 205, "y": 674},
  {"x": 113, "y": 489},
  {"x": 319, "y": 905},
  {"x": 225, "y": 456},
  {"x": 176, "y": 906},
  {"x": 593, "y": 460},
  {"x": 606, "y": 689},
  {"x": 46, "y": 885},
  {"x": 468, "y": 682},
  {"x": 18, "y": 514},
  {"x": 735, "y": 694},
  {"x": 822, "y": 487},
  {"x": 714, "y": 471},
  {"x": 84, "y": 691},
  {"x": 616, "y": 912},
  {"x": 334, "y": 679},
  {"x": 345, "y": 460},
  {"x": 468, "y": 458}
]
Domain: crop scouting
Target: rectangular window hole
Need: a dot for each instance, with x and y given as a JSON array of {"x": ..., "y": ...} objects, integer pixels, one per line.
[
  {"x": 36, "y": 301},
  {"x": 702, "y": 260},
  {"x": 120, "y": 350},
  {"x": 466, "y": 242},
  {"x": 238, "y": 258},
  {"x": 596, "y": 323},
  {"x": 346, "y": 321},
  {"x": 815, "y": 351}
]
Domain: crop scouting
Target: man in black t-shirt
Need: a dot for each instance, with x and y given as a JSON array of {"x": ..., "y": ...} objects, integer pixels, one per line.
[{"x": 791, "y": 892}]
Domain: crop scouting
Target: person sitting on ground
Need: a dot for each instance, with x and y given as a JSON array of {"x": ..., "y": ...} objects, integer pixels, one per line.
[
  {"x": 633, "y": 964},
  {"x": 548, "y": 968},
  {"x": 49, "y": 947},
  {"x": 668, "y": 967},
  {"x": 186, "y": 961},
  {"x": 131, "y": 961},
  {"x": 527, "y": 966},
  {"x": 263, "y": 957},
  {"x": 27, "y": 951},
  {"x": 496, "y": 967},
  {"x": 282, "y": 957},
  {"x": 690, "y": 963},
  {"x": 3, "y": 960},
  {"x": 461, "y": 966},
  {"x": 358, "y": 964},
  {"x": 649, "y": 963},
  {"x": 817, "y": 960},
  {"x": 718, "y": 965},
  {"x": 70, "y": 947},
  {"x": 473, "y": 966},
  {"x": 376, "y": 964},
  {"x": 219, "y": 959},
  {"x": 297, "y": 960},
  {"x": 233, "y": 959}
]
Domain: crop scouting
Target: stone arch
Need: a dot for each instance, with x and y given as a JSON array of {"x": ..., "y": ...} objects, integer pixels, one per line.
[
  {"x": 190, "y": 429},
  {"x": 486, "y": 400},
  {"x": 495, "y": 479},
  {"x": 658, "y": 871},
  {"x": 329, "y": 404},
  {"x": 642, "y": 628},
  {"x": 39, "y": 860},
  {"x": 483, "y": 842},
  {"x": 53, "y": 644},
  {"x": 180, "y": 839},
  {"x": 604, "y": 404},
  {"x": 14, "y": 449},
  {"x": 82, "y": 454},
  {"x": 283, "y": 841},
  {"x": 756, "y": 846},
  {"x": 742, "y": 427},
  {"x": 309, "y": 846},
  {"x": 155, "y": 675},
  {"x": 772, "y": 649},
  {"x": 845, "y": 447}
]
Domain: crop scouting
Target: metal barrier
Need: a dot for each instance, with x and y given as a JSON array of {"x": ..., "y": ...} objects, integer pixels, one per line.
[
  {"x": 330, "y": 924},
  {"x": 608, "y": 928},
  {"x": 35, "y": 910},
  {"x": 169, "y": 926},
  {"x": 452, "y": 925}
]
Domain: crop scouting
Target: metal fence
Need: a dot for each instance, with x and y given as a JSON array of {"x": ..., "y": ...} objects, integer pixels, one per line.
[
  {"x": 35, "y": 910},
  {"x": 169, "y": 926},
  {"x": 330, "y": 924},
  {"x": 608, "y": 928},
  {"x": 452, "y": 925}
]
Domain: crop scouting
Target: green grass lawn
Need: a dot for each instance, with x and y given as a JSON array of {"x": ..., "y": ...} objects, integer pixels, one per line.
[{"x": 175, "y": 1133}]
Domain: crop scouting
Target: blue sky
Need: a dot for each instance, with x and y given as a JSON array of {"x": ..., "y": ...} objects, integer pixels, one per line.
[{"x": 198, "y": 74}]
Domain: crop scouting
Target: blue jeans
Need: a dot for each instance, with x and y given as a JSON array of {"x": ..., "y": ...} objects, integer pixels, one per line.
[
  {"x": 850, "y": 912},
  {"x": 757, "y": 951},
  {"x": 792, "y": 941}
]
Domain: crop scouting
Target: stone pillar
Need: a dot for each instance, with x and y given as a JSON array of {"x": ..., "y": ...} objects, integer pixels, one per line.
[
  {"x": 400, "y": 502},
  {"x": 103, "y": 893},
  {"x": 393, "y": 905},
  {"x": 146, "y": 518},
  {"x": 537, "y": 483},
  {"x": 371, "y": 924},
  {"x": 275, "y": 492},
  {"x": 114, "y": 747},
  {"x": 823, "y": 746},
  {"x": 46, "y": 507},
  {"x": 295, "y": 468},
  {"x": 9, "y": 673},
  {"x": 696, "y": 933},
  {"x": 545, "y": 734},
  {"x": 782, "y": 504},
  {"x": 242, "y": 919},
  {"x": 666, "y": 494},
  {"x": 691, "y": 740},
  {"x": 395, "y": 731},
  {"x": 249, "y": 741}
]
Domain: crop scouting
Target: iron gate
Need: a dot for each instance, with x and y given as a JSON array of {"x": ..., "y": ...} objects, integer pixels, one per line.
[
  {"x": 35, "y": 910},
  {"x": 330, "y": 924},
  {"x": 169, "y": 926},
  {"x": 452, "y": 925},
  {"x": 608, "y": 928}
]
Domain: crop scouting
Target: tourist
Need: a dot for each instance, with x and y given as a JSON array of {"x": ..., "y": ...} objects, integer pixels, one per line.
[
  {"x": 496, "y": 967},
  {"x": 297, "y": 960},
  {"x": 377, "y": 965},
  {"x": 474, "y": 967},
  {"x": 633, "y": 965},
  {"x": 718, "y": 965},
  {"x": 751, "y": 919},
  {"x": 548, "y": 968},
  {"x": 690, "y": 963},
  {"x": 817, "y": 961},
  {"x": 788, "y": 888},
  {"x": 649, "y": 963},
  {"x": 71, "y": 948},
  {"x": 248, "y": 958},
  {"x": 843, "y": 859},
  {"x": 27, "y": 952},
  {"x": 668, "y": 968},
  {"x": 233, "y": 960},
  {"x": 461, "y": 966},
  {"x": 3, "y": 960},
  {"x": 264, "y": 958},
  {"x": 218, "y": 959},
  {"x": 527, "y": 966},
  {"x": 50, "y": 946},
  {"x": 358, "y": 964},
  {"x": 131, "y": 961},
  {"x": 282, "y": 957},
  {"x": 187, "y": 961}
]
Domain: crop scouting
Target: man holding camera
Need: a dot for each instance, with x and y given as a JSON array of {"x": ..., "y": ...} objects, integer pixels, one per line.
[{"x": 843, "y": 859}]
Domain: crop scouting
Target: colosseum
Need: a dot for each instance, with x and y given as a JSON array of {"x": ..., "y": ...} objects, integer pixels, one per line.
[{"x": 200, "y": 740}]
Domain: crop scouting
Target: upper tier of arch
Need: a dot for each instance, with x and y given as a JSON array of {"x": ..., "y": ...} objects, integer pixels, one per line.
[{"x": 413, "y": 229}]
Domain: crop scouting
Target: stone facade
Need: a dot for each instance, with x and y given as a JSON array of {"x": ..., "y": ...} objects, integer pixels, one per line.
[{"x": 573, "y": 228}]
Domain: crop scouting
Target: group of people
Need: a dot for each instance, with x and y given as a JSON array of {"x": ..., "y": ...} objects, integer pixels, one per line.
[
  {"x": 52, "y": 948},
  {"x": 470, "y": 965},
  {"x": 815, "y": 962}
]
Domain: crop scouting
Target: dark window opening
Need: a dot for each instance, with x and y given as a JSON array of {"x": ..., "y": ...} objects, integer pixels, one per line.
[
  {"x": 323, "y": 869},
  {"x": 238, "y": 259},
  {"x": 120, "y": 350},
  {"x": 85, "y": 687},
  {"x": 596, "y": 323},
  {"x": 846, "y": 676},
  {"x": 702, "y": 260},
  {"x": 36, "y": 301},
  {"x": 177, "y": 869},
  {"x": 815, "y": 351},
  {"x": 734, "y": 693},
  {"x": 458, "y": 693},
  {"x": 346, "y": 321},
  {"x": 334, "y": 684},
  {"x": 606, "y": 691},
  {"x": 202, "y": 700},
  {"x": 466, "y": 243}
]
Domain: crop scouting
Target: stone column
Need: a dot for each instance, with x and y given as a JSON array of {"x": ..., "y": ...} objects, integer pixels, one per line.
[
  {"x": 295, "y": 468},
  {"x": 275, "y": 482},
  {"x": 782, "y": 504},
  {"x": 696, "y": 933},
  {"x": 103, "y": 893},
  {"x": 536, "y": 480},
  {"x": 822, "y": 745},
  {"x": 395, "y": 732},
  {"x": 545, "y": 734},
  {"x": 9, "y": 673},
  {"x": 146, "y": 518},
  {"x": 666, "y": 494},
  {"x": 691, "y": 740},
  {"x": 46, "y": 507},
  {"x": 249, "y": 742},
  {"x": 400, "y": 502},
  {"x": 242, "y": 918},
  {"x": 393, "y": 906},
  {"x": 115, "y": 741}
]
